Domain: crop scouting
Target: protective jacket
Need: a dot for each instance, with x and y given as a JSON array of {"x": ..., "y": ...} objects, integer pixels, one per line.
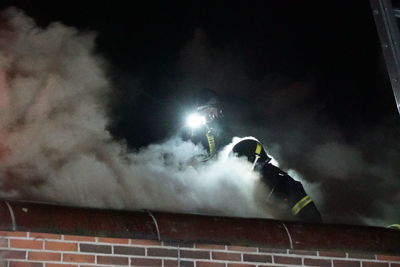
[{"x": 282, "y": 188}]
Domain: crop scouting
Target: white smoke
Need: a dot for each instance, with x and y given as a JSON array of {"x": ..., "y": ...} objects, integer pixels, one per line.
[
  {"x": 54, "y": 145},
  {"x": 350, "y": 172}
]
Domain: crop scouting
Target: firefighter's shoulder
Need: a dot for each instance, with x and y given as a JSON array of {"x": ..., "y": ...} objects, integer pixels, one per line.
[{"x": 251, "y": 148}]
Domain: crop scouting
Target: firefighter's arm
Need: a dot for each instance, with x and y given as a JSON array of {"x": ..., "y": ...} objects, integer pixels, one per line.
[
  {"x": 292, "y": 192},
  {"x": 301, "y": 205}
]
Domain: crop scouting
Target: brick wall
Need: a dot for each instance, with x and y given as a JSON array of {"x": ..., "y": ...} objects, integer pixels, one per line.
[{"x": 22, "y": 249}]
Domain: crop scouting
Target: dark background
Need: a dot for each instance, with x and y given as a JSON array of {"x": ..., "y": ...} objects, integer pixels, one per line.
[
  {"x": 334, "y": 43},
  {"x": 306, "y": 77}
]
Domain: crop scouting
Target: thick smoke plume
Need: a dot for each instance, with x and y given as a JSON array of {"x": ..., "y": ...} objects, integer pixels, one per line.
[
  {"x": 55, "y": 147},
  {"x": 352, "y": 180}
]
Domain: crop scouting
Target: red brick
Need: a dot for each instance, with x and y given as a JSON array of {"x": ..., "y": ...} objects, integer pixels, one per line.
[
  {"x": 226, "y": 256},
  {"x": 145, "y": 262},
  {"x": 125, "y": 250},
  {"x": 209, "y": 264},
  {"x": 317, "y": 262},
  {"x": 337, "y": 263},
  {"x": 395, "y": 265},
  {"x": 273, "y": 250},
  {"x": 79, "y": 238},
  {"x": 332, "y": 254},
  {"x": 78, "y": 258},
  {"x": 13, "y": 254},
  {"x": 257, "y": 258},
  {"x": 45, "y": 236},
  {"x": 162, "y": 252},
  {"x": 174, "y": 263},
  {"x": 178, "y": 244},
  {"x": 111, "y": 260},
  {"x": 44, "y": 256},
  {"x": 361, "y": 256},
  {"x": 240, "y": 248},
  {"x": 3, "y": 242},
  {"x": 15, "y": 234},
  {"x": 60, "y": 246},
  {"x": 95, "y": 248},
  {"x": 192, "y": 254},
  {"x": 61, "y": 265},
  {"x": 240, "y": 265},
  {"x": 114, "y": 240},
  {"x": 388, "y": 258},
  {"x": 25, "y": 264},
  {"x": 186, "y": 264},
  {"x": 375, "y": 264},
  {"x": 33, "y": 244},
  {"x": 210, "y": 246},
  {"x": 144, "y": 242},
  {"x": 303, "y": 252},
  {"x": 287, "y": 260},
  {"x": 170, "y": 263}
]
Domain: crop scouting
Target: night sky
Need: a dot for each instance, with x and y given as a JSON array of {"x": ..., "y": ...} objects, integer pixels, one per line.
[
  {"x": 335, "y": 45},
  {"x": 306, "y": 77}
]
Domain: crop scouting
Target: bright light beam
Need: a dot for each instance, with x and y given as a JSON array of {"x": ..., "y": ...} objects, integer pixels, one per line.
[{"x": 195, "y": 121}]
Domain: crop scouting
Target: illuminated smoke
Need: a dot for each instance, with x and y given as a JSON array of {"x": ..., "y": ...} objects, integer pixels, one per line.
[
  {"x": 54, "y": 146},
  {"x": 352, "y": 180}
]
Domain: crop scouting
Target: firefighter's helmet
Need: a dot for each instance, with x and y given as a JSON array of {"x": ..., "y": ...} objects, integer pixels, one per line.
[
  {"x": 208, "y": 103},
  {"x": 253, "y": 150}
]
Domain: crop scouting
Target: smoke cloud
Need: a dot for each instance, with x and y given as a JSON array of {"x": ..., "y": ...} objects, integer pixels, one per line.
[
  {"x": 55, "y": 147},
  {"x": 352, "y": 177}
]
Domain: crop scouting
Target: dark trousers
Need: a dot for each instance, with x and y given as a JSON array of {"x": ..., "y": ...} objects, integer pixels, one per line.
[{"x": 285, "y": 190}]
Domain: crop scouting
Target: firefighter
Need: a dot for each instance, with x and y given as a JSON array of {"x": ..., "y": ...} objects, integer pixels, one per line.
[
  {"x": 282, "y": 188},
  {"x": 208, "y": 127},
  {"x": 213, "y": 134}
]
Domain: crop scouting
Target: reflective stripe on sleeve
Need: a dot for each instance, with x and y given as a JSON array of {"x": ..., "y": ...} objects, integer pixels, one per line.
[
  {"x": 301, "y": 204},
  {"x": 211, "y": 143},
  {"x": 394, "y": 226},
  {"x": 258, "y": 149}
]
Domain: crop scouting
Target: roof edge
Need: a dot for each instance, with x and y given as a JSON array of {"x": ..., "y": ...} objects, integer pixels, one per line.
[{"x": 188, "y": 228}]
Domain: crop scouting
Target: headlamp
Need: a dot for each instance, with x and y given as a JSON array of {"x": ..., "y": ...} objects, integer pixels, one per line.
[{"x": 195, "y": 120}]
